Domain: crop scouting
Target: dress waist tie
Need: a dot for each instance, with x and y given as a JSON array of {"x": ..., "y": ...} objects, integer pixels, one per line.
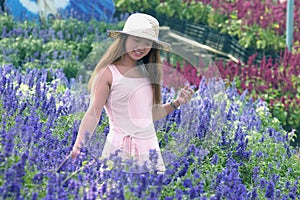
[{"x": 129, "y": 144}]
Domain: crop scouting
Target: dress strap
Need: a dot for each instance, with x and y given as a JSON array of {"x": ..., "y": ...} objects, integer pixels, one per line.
[
  {"x": 115, "y": 73},
  {"x": 114, "y": 70}
]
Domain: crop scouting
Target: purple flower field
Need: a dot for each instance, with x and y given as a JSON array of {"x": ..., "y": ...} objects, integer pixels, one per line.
[{"x": 249, "y": 158}]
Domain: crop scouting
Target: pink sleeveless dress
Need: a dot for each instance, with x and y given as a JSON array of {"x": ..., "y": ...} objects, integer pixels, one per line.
[{"x": 129, "y": 108}]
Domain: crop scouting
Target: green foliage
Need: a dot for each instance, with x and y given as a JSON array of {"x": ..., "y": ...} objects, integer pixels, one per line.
[
  {"x": 123, "y": 6},
  {"x": 191, "y": 11},
  {"x": 65, "y": 123},
  {"x": 7, "y": 22},
  {"x": 61, "y": 44},
  {"x": 249, "y": 36},
  {"x": 165, "y": 136},
  {"x": 31, "y": 187},
  {"x": 253, "y": 36},
  {"x": 216, "y": 20},
  {"x": 22, "y": 48}
]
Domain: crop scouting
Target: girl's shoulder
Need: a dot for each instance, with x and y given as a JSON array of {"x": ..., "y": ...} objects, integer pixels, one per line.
[{"x": 105, "y": 75}]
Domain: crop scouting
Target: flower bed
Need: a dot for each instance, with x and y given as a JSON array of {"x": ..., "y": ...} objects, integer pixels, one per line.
[
  {"x": 60, "y": 44},
  {"x": 249, "y": 156},
  {"x": 256, "y": 24},
  {"x": 221, "y": 145},
  {"x": 274, "y": 81}
]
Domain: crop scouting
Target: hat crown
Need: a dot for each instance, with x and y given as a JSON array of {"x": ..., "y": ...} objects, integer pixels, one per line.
[{"x": 142, "y": 24}]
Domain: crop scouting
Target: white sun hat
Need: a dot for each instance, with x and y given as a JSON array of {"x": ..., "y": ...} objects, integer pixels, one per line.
[{"x": 141, "y": 25}]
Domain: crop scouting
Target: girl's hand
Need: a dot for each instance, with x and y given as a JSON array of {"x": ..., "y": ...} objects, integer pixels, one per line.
[
  {"x": 74, "y": 154},
  {"x": 185, "y": 95}
]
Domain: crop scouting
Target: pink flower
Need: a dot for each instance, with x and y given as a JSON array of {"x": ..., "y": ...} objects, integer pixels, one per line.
[{"x": 282, "y": 100}]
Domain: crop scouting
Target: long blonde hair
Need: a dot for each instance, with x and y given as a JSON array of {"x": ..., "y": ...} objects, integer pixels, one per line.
[{"x": 152, "y": 63}]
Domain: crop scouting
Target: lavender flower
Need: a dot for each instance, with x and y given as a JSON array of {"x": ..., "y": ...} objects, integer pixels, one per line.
[
  {"x": 214, "y": 159},
  {"x": 270, "y": 190}
]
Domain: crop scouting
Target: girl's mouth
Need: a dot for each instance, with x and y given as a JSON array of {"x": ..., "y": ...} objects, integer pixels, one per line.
[{"x": 138, "y": 53}]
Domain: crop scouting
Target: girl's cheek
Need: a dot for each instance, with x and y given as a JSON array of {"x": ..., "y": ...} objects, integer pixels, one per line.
[{"x": 130, "y": 47}]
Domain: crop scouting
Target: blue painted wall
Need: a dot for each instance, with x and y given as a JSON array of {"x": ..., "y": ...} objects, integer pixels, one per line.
[{"x": 42, "y": 10}]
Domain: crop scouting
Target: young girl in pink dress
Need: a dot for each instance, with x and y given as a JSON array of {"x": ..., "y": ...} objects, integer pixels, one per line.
[{"x": 130, "y": 92}]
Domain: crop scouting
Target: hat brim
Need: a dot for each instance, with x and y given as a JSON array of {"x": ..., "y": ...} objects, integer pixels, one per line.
[{"x": 164, "y": 46}]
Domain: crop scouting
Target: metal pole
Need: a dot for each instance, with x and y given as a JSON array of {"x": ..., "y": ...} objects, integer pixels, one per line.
[{"x": 289, "y": 24}]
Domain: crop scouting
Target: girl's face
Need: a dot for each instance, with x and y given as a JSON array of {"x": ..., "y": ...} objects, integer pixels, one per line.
[{"x": 137, "y": 47}]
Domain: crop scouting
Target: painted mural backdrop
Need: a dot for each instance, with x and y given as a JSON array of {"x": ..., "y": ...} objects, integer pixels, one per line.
[{"x": 43, "y": 10}]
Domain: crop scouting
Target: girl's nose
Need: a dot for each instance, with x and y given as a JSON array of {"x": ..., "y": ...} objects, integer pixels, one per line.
[{"x": 140, "y": 48}]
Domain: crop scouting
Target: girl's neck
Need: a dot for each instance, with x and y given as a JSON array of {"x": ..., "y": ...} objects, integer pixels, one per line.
[{"x": 127, "y": 61}]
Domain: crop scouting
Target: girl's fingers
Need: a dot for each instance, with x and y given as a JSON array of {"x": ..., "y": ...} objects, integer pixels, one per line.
[
  {"x": 186, "y": 94},
  {"x": 189, "y": 93},
  {"x": 74, "y": 154},
  {"x": 184, "y": 98},
  {"x": 190, "y": 90}
]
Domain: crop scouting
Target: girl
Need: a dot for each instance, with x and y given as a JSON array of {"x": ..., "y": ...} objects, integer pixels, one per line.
[{"x": 126, "y": 82}]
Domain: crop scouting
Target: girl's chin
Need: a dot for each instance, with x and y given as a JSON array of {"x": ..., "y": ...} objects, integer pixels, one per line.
[{"x": 136, "y": 56}]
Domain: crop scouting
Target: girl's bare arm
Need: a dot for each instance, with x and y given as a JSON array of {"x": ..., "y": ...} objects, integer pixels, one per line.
[
  {"x": 160, "y": 111},
  {"x": 99, "y": 94}
]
